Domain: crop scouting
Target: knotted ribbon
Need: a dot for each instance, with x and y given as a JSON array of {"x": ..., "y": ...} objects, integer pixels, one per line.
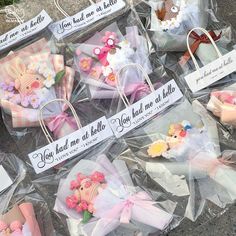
[
  {"x": 56, "y": 123},
  {"x": 221, "y": 104},
  {"x": 138, "y": 91},
  {"x": 211, "y": 165},
  {"x": 123, "y": 210},
  {"x": 198, "y": 40}
]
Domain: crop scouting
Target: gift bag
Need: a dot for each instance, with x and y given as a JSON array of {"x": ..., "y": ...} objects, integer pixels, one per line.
[
  {"x": 100, "y": 53},
  {"x": 22, "y": 210},
  {"x": 209, "y": 54},
  {"x": 111, "y": 178},
  {"x": 168, "y": 148},
  {"x": 169, "y": 21}
]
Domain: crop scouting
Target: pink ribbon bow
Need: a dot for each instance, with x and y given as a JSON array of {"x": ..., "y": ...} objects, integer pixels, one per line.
[
  {"x": 211, "y": 166},
  {"x": 124, "y": 209},
  {"x": 56, "y": 123}
]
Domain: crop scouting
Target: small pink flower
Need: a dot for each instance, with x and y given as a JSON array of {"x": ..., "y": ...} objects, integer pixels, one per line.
[
  {"x": 34, "y": 101},
  {"x": 110, "y": 35},
  {"x": 80, "y": 177},
  {"x": 25, "y": 101},
  {"x": 95, "y": 72},
  {"x": 85, "y": 63},
  {"x": 87, "y": 184},
  {"x": 90, "y": 208},
  {"x": 83, "y": 205},
  {"x": 71, "y": 201},
  {"x": 78, "y": 209},
  {"x": 74, "y": 185},
  {"x": 111, "y": 79},
  {"x": 98, "y": 177}
]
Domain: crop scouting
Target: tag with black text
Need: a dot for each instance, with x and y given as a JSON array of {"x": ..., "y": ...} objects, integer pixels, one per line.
[
  {"x": 70, "y": 145},
  {"x": 212, "y": 72},
  {"x": 139, "y": 112}
]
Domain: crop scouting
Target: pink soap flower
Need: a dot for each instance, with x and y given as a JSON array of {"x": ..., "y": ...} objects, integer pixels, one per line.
[
  {"x": 78, "y": 209},
  {"x": 111, "y": 79},
  {"x": 83, "y": 204},
  {"x": 90, "y": 208},
  {"x": 85, "y": 64},
  {"x": 74, "y": 185},
  {"x": 80, "y": 177},
  {"x": 110, "y": 35},
  {"x": 98, "y": 177},
  {"x": 71, "y": 201}
]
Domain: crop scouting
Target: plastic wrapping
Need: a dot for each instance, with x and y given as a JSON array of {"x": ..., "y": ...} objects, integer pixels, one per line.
[
  {"x": 129, "y": 44},
  {"x": 117, "y": 187},
  {"x": 37, "y": 87},
  {"x": 22, "y": 210},
  {"x": 100, "y": 58},
  {"x": 170, "y": 163},
  {"x": 168, "y": 22},
  {"x": 179, "y": 150}
]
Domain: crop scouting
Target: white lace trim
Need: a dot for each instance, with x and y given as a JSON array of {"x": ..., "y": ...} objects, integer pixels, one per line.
[{"x": 174, "y": 22}]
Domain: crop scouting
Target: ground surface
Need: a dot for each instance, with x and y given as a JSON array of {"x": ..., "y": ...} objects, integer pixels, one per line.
[{"x": 221, "y": 226}]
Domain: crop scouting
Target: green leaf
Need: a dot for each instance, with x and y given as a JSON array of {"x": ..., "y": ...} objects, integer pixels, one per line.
[
  {"x": 86, "y": 217},
  {"x": 59, "y": 76}
]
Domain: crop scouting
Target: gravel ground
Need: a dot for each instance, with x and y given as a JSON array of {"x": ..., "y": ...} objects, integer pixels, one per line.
[{"x": 221, "y": 226}]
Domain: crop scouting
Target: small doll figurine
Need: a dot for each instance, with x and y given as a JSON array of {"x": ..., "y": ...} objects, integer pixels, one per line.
[
  {"x": 25, "y": 80},
  {"x": 85, "y": 188},
  {"x": 169, "y": 11},
  {"x": 171, "y": 14},
  {"x": 109, "y": 195},
  {"x": 176, "y": 135}
]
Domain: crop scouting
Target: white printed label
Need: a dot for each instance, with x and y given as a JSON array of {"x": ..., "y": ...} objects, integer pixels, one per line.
[
  {"x": 5, "y": 179},
  {"x": 86, "y": 17},
  {"x": 144, "y": 109},
  {"x": 25, "y": 30},
  {"x": 212, "y": 72},
  {"x": 70, "y": 145}
]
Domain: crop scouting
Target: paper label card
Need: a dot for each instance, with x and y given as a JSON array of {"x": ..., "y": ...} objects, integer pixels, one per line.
[
  {"x": 25, "y": 30},
  {"x": 5, "y": 179},
  {"x": 141, "y": 111},
  {"x": 86, "y": 17},
  {"x": 212, "y": 72},
  {"x": 70, "y": 145}
]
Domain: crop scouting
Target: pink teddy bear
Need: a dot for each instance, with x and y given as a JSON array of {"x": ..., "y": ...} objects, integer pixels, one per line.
[{"x": 85, "y": 188}]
